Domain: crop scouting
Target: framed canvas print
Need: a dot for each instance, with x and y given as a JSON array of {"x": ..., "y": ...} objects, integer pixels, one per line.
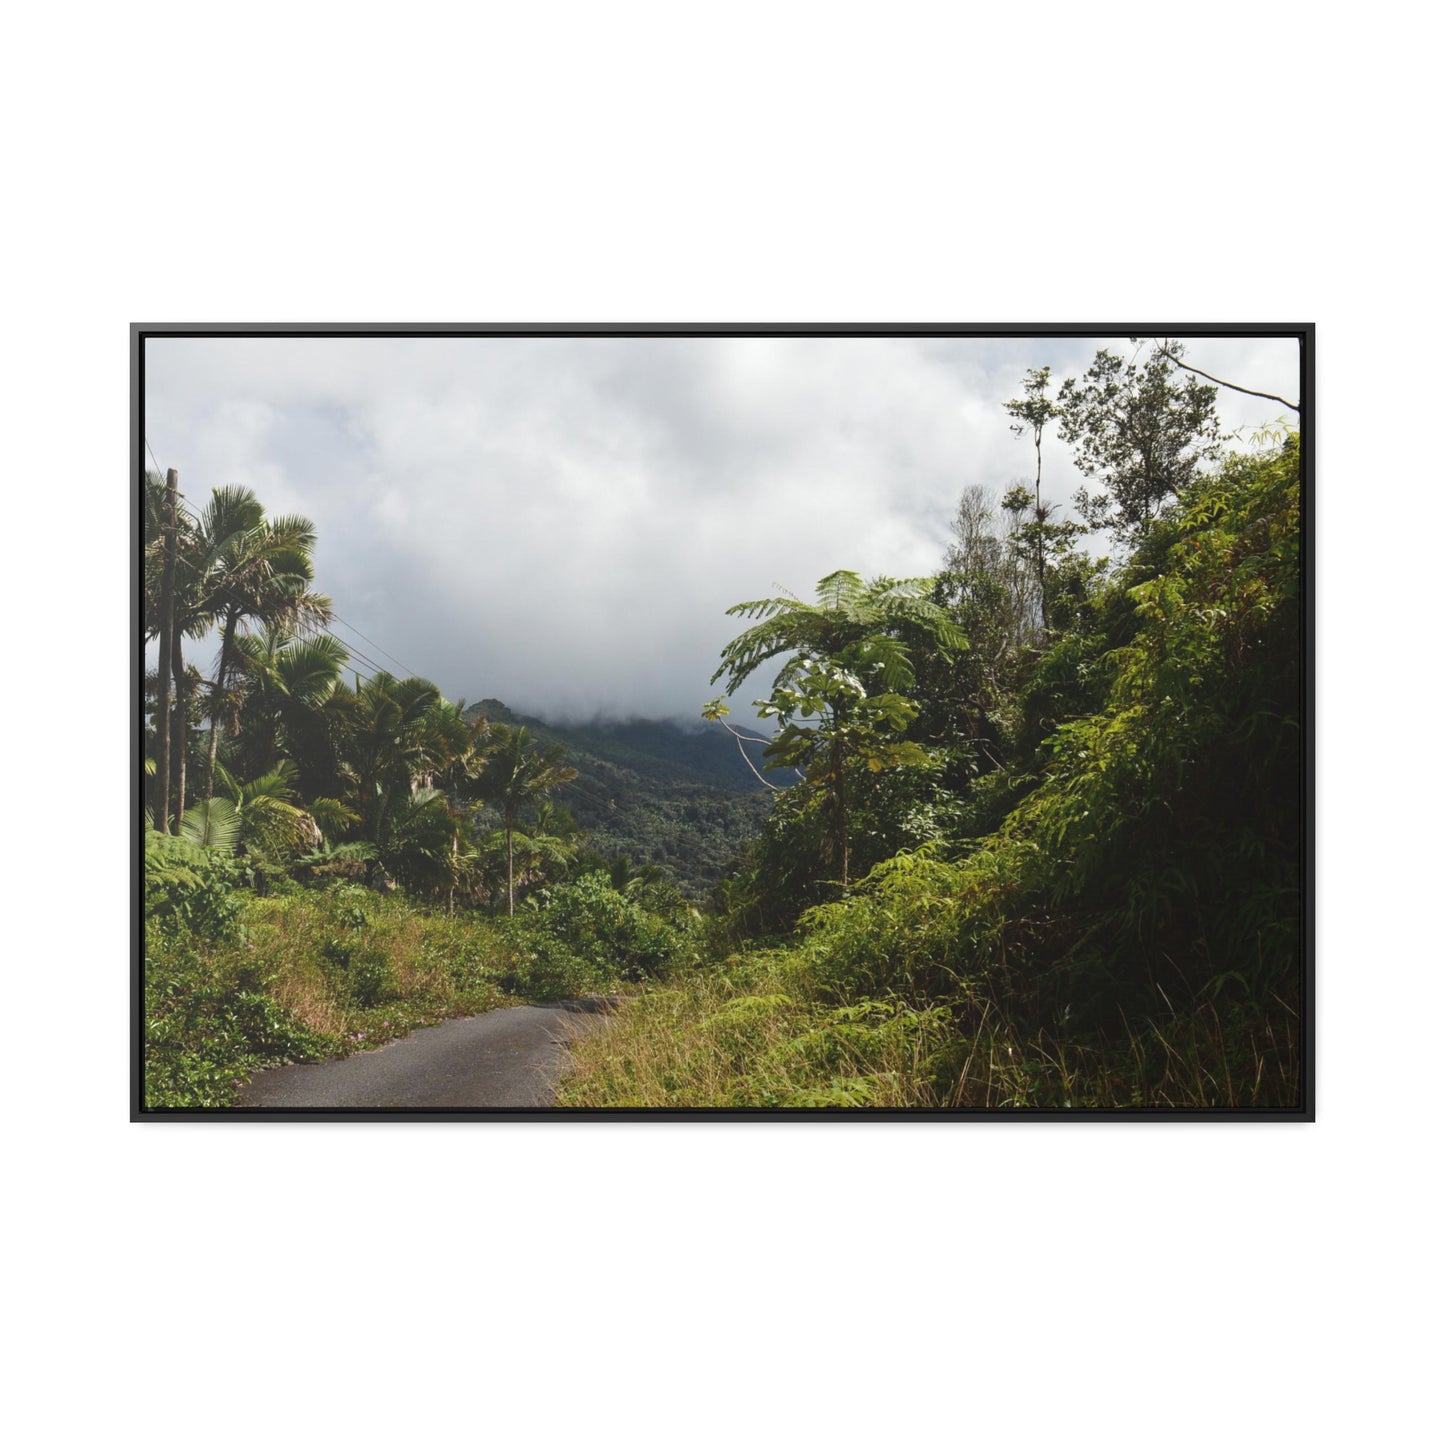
[{"x": 760, "y": 722}]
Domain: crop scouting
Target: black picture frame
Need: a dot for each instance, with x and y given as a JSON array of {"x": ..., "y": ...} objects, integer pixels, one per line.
[{"x": 1304, "y": 333}]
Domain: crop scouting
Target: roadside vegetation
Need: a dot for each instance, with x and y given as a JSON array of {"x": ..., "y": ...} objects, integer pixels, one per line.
[
  {"x": 1041, "y": 864},
  {"x": 235, "y": 982},
  {"x": 328, "y": 864}
]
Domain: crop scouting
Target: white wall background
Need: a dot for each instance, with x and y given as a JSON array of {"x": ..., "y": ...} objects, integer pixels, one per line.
[{"x": 684, "y": 1282}]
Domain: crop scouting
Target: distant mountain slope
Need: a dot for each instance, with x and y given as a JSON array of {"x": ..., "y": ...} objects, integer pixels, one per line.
[{"x": 656, "y": 791}]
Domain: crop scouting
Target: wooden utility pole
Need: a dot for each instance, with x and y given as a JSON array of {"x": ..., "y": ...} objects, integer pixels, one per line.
[
  {"x": 180, "y": 722},
  {"x": 168, "y": 623}
]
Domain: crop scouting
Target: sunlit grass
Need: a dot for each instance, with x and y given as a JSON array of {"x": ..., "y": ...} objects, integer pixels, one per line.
[{"x": 756, "y": 1033}]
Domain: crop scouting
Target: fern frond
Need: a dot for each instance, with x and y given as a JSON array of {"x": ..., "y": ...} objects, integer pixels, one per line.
[
  {"x": 763, "y": 607},
  {"x": 890, "y": 657},
  {"x": 839, "y": 589}
]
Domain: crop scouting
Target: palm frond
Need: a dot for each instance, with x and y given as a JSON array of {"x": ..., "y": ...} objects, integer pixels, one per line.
[
  {"x": 308, "y": 670},
  {"x": 215, "y": 824},
  {"x": 333, "y": 816},
  {"x": 279, "y": 784}
]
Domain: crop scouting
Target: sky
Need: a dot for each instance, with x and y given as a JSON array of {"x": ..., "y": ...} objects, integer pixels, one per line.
[{"x": 562, "y": 522}]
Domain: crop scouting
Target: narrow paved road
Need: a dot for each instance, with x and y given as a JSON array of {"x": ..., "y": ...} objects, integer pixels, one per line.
[{"x": 509, "y": 1059}]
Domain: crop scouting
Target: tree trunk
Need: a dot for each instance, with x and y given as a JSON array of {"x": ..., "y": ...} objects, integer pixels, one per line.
[
  {"x": 211, "y": 759},
  {"x": 1039, "y": 517},
  {"x": 840, "y": 812},
  {"x": 227, "y": 637},
  {"x": 181, "y": 728},
  {"x": 168, "y": 627},
  {"x": 509, "y": 869}
]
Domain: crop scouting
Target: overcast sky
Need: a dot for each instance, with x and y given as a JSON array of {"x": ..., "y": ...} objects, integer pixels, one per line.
[{"x": 562, "y": 523}]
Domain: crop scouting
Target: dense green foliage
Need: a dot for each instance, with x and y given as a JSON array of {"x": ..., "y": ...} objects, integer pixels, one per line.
[
  {"x": 189, "y": 888},
  {"x": 610, "y": 929},
  {"x": 1089, "y": 895}
]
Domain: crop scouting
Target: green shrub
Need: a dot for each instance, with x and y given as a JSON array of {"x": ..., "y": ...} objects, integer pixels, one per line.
[
  {"x": 190, "y": 889},
  {"x": 609, "y": 931},
  {"x": 366, "y": 970},
  {"x": 209, "y": 1022},
  {"x": 539, "y": 965},
  {"x": 908, "y": 930}
]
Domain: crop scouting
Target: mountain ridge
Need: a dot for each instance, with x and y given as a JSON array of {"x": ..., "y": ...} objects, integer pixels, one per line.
[{"x": 653, "y": 790}]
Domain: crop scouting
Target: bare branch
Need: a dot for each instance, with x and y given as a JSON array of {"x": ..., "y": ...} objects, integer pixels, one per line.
[
  {"x": 739, "y": 736},
  {"x": 1267, "y": 395}
]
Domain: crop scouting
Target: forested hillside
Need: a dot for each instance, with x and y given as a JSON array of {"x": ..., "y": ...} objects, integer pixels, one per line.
[
  {"x": 654, "y": 792},
  {"x": 1032, "y": 835}
]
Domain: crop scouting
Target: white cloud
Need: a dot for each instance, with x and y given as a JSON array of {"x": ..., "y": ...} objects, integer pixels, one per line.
[{"x": 562, "y": 522}]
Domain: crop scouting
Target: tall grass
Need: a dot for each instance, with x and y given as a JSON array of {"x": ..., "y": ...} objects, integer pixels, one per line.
[{"x": 758, "y": 1034}]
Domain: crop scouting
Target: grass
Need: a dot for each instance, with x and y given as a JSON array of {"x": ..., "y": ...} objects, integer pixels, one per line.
[
  {"x": 317, "y": 974},
  {"x": 753, "y": 1033},
  {"x": 1202, "y": 1059},
  {"x": 768, "y": 1030}
]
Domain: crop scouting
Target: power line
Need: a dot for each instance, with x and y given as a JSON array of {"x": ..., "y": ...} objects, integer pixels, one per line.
[
  {"x": 352, "y": 651},
  {"x": 596, "y": 796},
  {"x": 410, "y": 672},
  {"x": 353, "y": 655}
]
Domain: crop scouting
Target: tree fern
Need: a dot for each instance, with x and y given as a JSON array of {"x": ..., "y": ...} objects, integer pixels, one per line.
[{"x": 888, "y": 614}]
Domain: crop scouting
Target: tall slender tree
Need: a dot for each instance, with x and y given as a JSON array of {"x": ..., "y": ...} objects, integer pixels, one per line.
[
  {"x": 516, "y": 775},
  {"x": 1033, "y": 412}
]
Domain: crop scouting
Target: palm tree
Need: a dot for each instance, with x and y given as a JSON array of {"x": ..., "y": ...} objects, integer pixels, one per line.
[
  {"x": 288, "y": 680},
  {"x": 261, "y": 814},
  {"x": 398, "y": 736},
  {"x": 423, "y": 844},
  {"x": 375, "y": 724},
  {"x": 517, "y": 773},
  {"x": 191, "y": 618},
  {"x": 253, "y": 570}
]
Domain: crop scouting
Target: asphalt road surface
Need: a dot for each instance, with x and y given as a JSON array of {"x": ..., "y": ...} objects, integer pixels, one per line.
[{"x": 508, "y": 1059}]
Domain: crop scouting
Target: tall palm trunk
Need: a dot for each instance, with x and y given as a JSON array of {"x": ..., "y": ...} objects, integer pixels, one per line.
[
  {"x": 181, "y": 722},
  {"x": 228, "y": 637},
  {"x": 509, "y": 867},
  {"x": 1040, "y": 516}
]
